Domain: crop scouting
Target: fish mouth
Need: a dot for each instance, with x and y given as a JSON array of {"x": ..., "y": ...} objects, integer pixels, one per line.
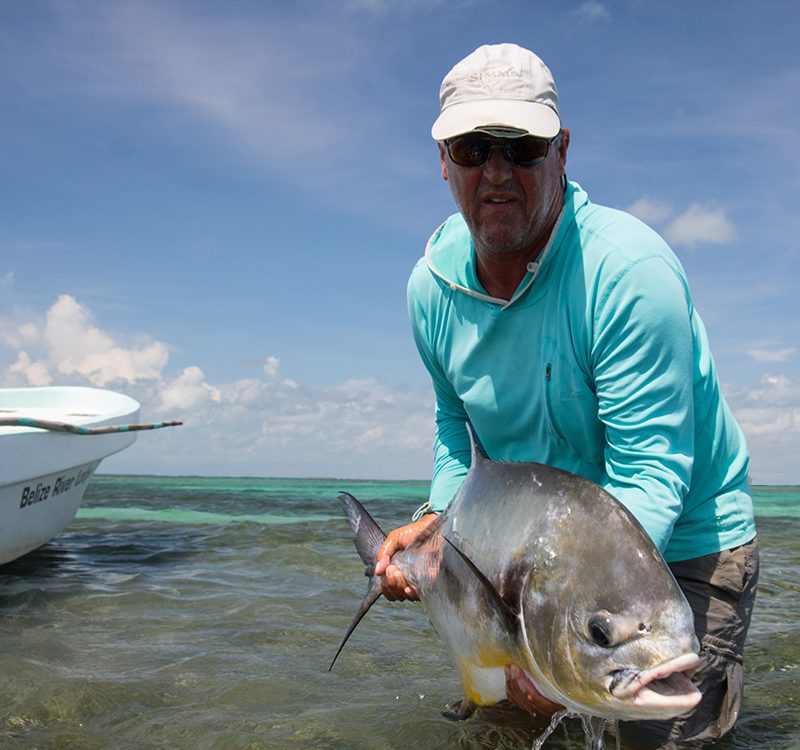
[{"x": 661, "y": 692}]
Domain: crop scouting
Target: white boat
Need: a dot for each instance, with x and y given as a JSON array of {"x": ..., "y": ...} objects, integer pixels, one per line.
[{"x": 51, "y": 442}]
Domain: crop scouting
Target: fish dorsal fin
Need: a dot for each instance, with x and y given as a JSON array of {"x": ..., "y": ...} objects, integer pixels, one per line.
[
  {"x": 476, "y": 449},
  {"x": 507, "y": 612}
]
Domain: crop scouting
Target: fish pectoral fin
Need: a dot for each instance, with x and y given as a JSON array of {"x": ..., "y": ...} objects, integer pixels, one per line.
[
  {"x": 460, "y": 710},
  {"x": 509, "y": 614}
]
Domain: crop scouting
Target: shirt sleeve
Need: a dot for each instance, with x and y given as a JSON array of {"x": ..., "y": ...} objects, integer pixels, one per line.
[
  {"x": 642, "y": 358},
  {"x": 451, "y": 451}
]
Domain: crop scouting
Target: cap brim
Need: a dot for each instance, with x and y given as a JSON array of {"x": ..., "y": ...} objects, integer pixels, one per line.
[{"x": 532, "y": 117}]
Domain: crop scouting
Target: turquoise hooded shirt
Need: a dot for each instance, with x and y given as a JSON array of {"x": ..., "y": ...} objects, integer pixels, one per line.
[{"x": 599, "y": 364}]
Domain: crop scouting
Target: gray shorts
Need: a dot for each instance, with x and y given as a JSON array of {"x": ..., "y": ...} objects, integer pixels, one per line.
[{"x": 721, "y": 589}]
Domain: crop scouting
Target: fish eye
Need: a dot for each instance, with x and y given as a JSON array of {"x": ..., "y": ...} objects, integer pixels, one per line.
[{"x": 599, "y": 627}]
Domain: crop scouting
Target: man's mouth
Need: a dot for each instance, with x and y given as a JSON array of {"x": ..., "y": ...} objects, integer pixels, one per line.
[{"x": 497, "y": 200}]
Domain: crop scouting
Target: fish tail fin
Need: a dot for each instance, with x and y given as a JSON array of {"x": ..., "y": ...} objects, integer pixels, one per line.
[
  {"x": 368, "y": 535},
  {"x": 368, "y": 539}
]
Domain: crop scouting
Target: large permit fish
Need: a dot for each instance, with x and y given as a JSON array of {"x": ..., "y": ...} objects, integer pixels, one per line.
[{"x": 537, "y": 566}]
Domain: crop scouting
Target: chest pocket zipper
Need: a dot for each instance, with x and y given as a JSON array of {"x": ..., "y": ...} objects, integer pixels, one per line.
[{"x": 551, "y": 417}]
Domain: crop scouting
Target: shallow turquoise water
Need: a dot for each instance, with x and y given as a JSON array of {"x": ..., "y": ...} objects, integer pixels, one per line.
[{"x": 203, "y": 613}]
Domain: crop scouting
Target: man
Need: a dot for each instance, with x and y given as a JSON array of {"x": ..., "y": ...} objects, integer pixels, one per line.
[{"x": 565, "y": 333}]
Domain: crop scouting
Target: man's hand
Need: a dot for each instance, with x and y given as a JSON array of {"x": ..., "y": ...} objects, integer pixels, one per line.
[
  {"x": 393, "y": 584},
  {"x": 523, "y": 693}
]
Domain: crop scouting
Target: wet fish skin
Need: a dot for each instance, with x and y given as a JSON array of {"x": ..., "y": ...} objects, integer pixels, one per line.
[{"x": 536, "y": 566}]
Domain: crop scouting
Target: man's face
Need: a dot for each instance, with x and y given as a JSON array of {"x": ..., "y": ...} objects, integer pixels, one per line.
[{"x": 508, "y": 209}]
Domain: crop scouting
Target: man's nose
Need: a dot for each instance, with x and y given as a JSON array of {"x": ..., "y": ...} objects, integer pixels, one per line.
[{"x": 497, "y": 167}]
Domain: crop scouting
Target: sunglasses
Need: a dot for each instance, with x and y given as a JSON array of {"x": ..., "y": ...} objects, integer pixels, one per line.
[{"x": 474, "y": 149}]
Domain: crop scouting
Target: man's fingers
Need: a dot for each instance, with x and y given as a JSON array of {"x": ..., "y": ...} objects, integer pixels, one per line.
[
  {"x": 524, "y": 694},
  {"x": 382, "y": 564},
  {"x": 394, "y": 586},
  {"x": 395, "y": 578},
  {"x": 385, "y": 551},
  {"x": 383, "y": 559}
]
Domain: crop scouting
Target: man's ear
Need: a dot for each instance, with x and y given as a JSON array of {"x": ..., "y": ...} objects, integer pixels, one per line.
[
  {"x": 563, "y": 145},
  {"x": 443, "y": 158}
]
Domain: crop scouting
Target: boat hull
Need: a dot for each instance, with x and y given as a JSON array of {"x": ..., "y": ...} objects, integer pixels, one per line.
[
  {"x": 38, "y": 509},
  {"x": 44, "y": 474}
]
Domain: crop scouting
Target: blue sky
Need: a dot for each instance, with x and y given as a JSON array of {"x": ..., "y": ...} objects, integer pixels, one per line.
[{"x": 214, "y": 207}]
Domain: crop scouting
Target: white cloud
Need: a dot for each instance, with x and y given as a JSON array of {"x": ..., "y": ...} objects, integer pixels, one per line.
[
  {"x": 76, "y": 346},
  {"x": 33, "y": 373},
  {"x": 592, "y": 11},
  {"x": 16, "y": 336},
  {"x": 283, "y": 428},
  {"x": 244, "y": 86},
  {"x": 7, "y": 281},
  {"x": 68, "y": 344},
  {"x": 256, "y": 426},
  {"x": 380, "y": 7},
  {"x": 269, "y": 426},
  {"x": 187, "y": 391},
  {"x": 251, "y": 80},
  {"x": 271, "y": 365},
  {"x": 700, "y": 225},
  {"x": 28, "y": 332},
  {"x": 769, "y": 415},
  {"x": 771, "y": 355},
  {"x": 650, "y": 210}
]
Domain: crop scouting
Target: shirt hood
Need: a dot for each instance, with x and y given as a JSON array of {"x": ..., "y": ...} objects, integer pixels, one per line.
[{"x": 450, "y": 252}]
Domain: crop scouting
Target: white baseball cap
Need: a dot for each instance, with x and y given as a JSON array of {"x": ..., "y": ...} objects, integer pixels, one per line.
[{"x": 498, "y": 86}]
